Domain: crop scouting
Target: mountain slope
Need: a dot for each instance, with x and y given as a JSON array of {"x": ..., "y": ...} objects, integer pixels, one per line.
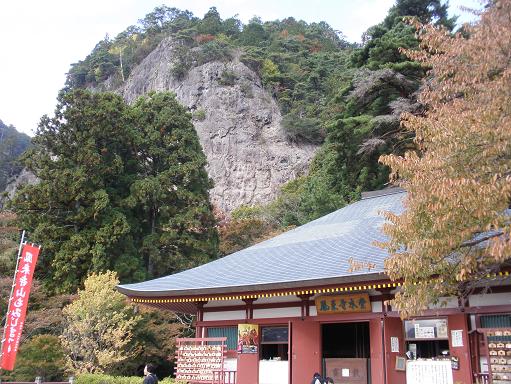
[
  {"x": 259, "y": 93},
  {"x": 237, "y": 120}
]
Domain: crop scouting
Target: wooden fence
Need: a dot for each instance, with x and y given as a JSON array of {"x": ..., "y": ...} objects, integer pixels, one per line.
[
  {"x": 224, "y": 377},
  {"x": 481, "y": 378}
]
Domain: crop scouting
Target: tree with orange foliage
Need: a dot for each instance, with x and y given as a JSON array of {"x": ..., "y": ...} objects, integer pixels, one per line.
[{"x": 457, "y": 223}]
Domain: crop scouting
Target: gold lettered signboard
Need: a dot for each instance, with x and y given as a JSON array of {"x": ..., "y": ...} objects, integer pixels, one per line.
[{"x": 357, "y": 302}]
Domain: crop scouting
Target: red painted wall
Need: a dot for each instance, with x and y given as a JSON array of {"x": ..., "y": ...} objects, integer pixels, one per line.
[
  {"x": 394, "y": 328},
  {"x": 248, "y": 368},
  {"x": 305, "y": 356},
  {"x": 377, "y": 367},
  {"x": 464, "y": 374}
]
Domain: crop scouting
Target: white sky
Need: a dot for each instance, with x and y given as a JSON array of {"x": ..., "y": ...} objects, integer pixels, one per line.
[{"x": 41, "y": 38}]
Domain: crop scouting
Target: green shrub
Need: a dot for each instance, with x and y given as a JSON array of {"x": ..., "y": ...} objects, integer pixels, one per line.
[
  {"x": 213, "y": 51},
  {"x": 199, "y": 115},
  {"x": 228, "y": 78},
  {"x": 303, "y": 129},
  {"x": 40, "y": 356},
  {"x": 246, "y": 89},
  {"x": 182, "y": 63},
  {"x": 97, "y": 378}
]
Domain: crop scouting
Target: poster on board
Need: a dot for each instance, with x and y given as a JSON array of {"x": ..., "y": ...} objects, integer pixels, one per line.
[
  {"x": 394, "y": 344},
  {"x": 457, "y": 337},
  {"x": 248, "y": 338}
]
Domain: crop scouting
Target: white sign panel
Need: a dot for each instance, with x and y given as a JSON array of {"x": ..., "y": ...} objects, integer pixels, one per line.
[
  {"x": 273, "y": 372},
  {"x": 429, "y": 372},
  {"x": 394, "y": 344},
  {"x": 424, "y": 332},
  {"x": 457, "y": 337}
]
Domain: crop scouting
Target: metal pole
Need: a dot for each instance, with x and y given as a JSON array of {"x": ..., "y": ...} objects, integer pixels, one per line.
[{"x": 12, "y": 288}]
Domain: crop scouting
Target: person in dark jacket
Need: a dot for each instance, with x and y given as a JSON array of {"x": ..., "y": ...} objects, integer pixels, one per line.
[
  {"x": 329, "y": 380},
  {"x": 317, "y": 379},
  {"x": 150, "y": 375}
]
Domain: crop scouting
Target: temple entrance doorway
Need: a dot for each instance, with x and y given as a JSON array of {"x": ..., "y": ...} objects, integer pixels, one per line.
[{"x": 346, "y": 352}]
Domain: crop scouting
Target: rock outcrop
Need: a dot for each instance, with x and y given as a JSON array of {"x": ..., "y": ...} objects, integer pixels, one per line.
[
  {"x": 237, "y": 120},
  {"x": 24, "y": 178}
]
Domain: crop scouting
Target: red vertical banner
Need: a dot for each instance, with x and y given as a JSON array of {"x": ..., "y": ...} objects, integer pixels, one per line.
[{"x": 18, "y": 305}]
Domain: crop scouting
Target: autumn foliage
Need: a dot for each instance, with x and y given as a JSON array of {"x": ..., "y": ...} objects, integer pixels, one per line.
[
  {"x": 457, "y": 223},
  {"x": 98, "y": 326}
]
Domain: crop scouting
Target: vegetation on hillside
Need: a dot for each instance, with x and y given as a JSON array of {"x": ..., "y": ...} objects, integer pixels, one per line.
[
  {"x": 42, "y": 356},
  {"x": 345, "y": 96},
  {"x": 381, "y": 84},
  {"x": 302, "y": 65},
  {"x": 9, "y": 233}
]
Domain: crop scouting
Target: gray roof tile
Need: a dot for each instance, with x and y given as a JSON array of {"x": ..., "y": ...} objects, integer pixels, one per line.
[{"x": 318, "y": 250}]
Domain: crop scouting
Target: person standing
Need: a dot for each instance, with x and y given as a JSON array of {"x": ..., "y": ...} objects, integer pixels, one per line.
[
  {"x": 317, "y": 379},
  {"x": 150, "y": 375}
]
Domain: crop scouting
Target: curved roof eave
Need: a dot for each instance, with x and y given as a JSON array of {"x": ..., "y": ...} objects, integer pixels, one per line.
[{"x": 239, "y": 289}]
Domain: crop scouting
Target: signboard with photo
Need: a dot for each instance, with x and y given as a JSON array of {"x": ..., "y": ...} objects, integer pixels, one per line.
[{"x": 457, "y": 337}]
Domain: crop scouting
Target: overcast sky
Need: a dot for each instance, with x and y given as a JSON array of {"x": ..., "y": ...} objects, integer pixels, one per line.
[{"x": 41, "y": 38}]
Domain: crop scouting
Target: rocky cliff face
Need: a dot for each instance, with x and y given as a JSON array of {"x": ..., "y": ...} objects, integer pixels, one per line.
[
  {"x": 24, "y": 178},
  {"x": 237, "y": 121},
  {"x": 12, "y": 145}
]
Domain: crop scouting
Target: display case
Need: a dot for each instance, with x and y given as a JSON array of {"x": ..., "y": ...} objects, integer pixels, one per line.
[
  {"x": 498, "y": 344},
  {"x": 426, "y": 338},
  {"x": 426, "y": 329}
]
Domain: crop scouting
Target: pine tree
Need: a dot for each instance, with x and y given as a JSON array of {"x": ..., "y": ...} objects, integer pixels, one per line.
[
  {"x": 121, "y": 188},
  {"x": 383, "y": 86},
  {"x": 83, "y": 157},
  {"x": 170, "y": 194}
]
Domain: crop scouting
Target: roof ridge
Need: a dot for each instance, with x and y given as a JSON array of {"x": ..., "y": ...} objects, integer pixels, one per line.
[{"x": 381, "y": 192}]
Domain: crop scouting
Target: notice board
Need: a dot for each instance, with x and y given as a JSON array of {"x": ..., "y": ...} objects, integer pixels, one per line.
[
  {"x": 428, "y": 372},
  {"x": 200, "y": 360}
]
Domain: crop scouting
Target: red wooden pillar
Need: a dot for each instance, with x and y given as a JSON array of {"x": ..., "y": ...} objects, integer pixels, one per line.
[
  {"x": 459, "y": 322},
  {"x": 249, "y": 308},
  {"x": 305, "y": 305},
  {"x": 305, "y": 356},
  {"x": 248, "y": 368},
  {"x": 393, "y": 328},
  {"x": 199, "y": 318},
  {"x": 377, "y": 363}
]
